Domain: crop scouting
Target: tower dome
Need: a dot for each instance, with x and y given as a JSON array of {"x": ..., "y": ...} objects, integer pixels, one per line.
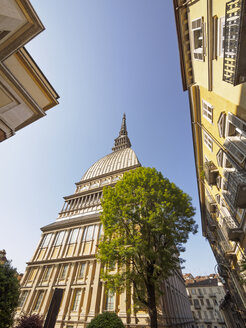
[{"x": 122, "y": 157}]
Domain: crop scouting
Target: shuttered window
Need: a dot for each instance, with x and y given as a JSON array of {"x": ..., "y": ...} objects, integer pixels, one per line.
[
  {"x": 219, "y": 157},
  {"x": 236, "y": 147},
  {"x": 208, "y": 141},
  {"x": 198, "y": 38},
  {"x": 237, "y": 122},
  {"x": 221, "y": 125},
  {"x": 221, "y": 36}
]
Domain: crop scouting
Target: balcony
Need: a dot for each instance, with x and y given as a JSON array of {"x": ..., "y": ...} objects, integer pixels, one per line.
[
  {"x": 234, "y": 67},
  {"x": 211, "y": 172},
  {"x": 211, "y": 223},
  {"x": 236, "y": 189},
  {"x": 235, "y": 234}
]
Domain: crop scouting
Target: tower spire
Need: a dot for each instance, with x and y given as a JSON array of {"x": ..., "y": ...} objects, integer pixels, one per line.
[{"x": 122, "y": 141}]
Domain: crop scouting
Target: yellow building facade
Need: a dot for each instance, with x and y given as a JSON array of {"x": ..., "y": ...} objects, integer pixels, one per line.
[
  {"x": 25, "y": 93},
  {"x": 65, "y": 258},
  {"x": 212, "y": 47}
]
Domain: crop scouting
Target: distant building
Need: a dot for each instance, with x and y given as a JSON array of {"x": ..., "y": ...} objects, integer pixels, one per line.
[
  {"x": 3, "y": 258},
  {"x": 212, "y": 47},
  {"x": 205, "y": 294},
  {"x": 65, "y": 258},
  {"x": 25, "y": 93}
]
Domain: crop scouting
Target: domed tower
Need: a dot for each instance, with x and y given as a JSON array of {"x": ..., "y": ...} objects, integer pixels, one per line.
[{"x": 65, "y": 256}]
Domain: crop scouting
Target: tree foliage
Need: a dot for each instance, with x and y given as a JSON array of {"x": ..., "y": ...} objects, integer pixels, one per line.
[
  {"x": 146, "y": 221},
  {"x": 106, "y": 319},
  {"x": 9, "y": 294},
  {"x": 30, "y": 321}
]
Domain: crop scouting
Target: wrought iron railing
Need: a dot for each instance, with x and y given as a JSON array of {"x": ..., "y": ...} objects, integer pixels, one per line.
[
  {"x": 236, "y": 190},
  {"x": 234, "y": 68}
]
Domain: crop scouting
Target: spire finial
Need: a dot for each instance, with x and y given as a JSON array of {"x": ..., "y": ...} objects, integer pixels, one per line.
[
  {"x": 122, "y": 141},
  {"x": 123, "y": 130}
]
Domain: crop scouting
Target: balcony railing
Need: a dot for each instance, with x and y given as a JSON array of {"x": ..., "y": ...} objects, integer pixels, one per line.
[
  {"x": 236, "y": 189},
  {"x": 211, "y": 222},
  {"x": 211, "y": 172},
  {"x": 234, "y": 68}
]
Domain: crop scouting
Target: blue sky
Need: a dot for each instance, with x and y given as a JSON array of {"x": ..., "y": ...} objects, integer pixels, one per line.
[{"x": 103, "y": 58}]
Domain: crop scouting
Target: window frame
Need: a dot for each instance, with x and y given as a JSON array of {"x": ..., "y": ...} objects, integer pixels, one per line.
[
  {"x": 45, "y": 243},
  {"x": 76, "y": 300},
  {"x": 82, "y": 265},
  {"x": 38, "y": 301},
  {"x": 58, "y": 239},
  {"x": 198, "y": 51},
  {"x": 23, "y": 298},
  {"x": 207, "y": 111},
  {"x": 72, "y": 239},
  {"x": 109, "y": 304},
  {"x": 208, "y": 141},
  {"x": 64, "y": 275},
  {"x": 221, "y": 37}
]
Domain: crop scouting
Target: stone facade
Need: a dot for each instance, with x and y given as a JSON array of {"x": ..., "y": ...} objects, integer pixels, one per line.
[
  {"x": 25, "y": 93},
  {"x": 65, "y": 257},
  {"x": 206, "y": 294},
  {"x": 212, "y": 37}
]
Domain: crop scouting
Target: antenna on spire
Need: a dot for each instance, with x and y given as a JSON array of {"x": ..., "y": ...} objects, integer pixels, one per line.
[{"x": 122, "y": 141}]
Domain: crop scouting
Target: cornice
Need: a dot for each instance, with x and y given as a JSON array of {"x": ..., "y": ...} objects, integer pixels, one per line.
[
  {"x": 67, "y": 223},
  {"x": 28, "y": 31},
  {"x": 63, "y": 260}
]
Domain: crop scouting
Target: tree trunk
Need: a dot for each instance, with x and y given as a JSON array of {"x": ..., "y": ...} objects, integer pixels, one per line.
[{"x": 152, "y": 305}]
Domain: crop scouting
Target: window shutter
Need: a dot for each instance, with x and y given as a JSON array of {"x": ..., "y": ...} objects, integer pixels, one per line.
[
  {"x": 221, "y": 124},
  {"x": 219, "y": 157},
  {"x": 196, "y": 24},
  {"x": 237, "y": 122},
  {"x": 233, "y": 145}
]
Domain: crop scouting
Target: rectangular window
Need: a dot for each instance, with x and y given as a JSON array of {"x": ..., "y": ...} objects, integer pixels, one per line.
[
  {"x": 38, "y": 301},
  {"x": 82, "y": 271},
  {"x": 46, "y": 240},
  {"x": 198, "y": 42},
  {"x": 100, "y": 231},
  {"x": 89, "y": 233},
  {"x": 64, "y": 271},
  {"x": 47, "y": 273},
  {"x": 207, "y": 111},
  {"x": 23, "y": 298},
  {"x": 221, "y": 36},
  {"x": 208, "y": 141},
  {"x": 77, "y": 294},
  {"x": 32, "y": 274},
  {"x": 59, "y": 238},
  {"x": 110, "y": 301},
  {"x": 73, "y": 236}
]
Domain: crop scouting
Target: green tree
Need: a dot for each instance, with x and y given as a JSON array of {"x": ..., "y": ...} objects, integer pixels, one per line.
[
  {"x": 106, "y": 320},
  {"x": 146, "y": 221},
  {"x": 9, "y": 294}
]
